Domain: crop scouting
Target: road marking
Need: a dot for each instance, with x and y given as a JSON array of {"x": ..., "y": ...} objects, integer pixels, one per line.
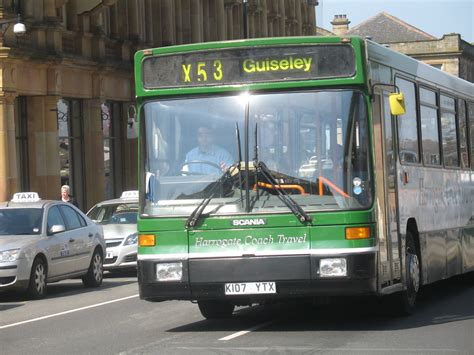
[
  {"x": 243, "y": 332},
  {"x": 66, "y": 312}
]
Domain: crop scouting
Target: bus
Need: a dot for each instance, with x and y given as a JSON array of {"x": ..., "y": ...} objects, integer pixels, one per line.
[{"x": 286, "y": 168}]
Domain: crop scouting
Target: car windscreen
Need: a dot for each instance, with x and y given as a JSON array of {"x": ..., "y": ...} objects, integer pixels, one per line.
[
  {"x": 21, "y": 221},
  {"x": 118, "y": 213}
]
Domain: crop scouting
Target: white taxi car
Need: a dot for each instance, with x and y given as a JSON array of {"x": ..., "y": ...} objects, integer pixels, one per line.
[
  {"x": 44, "y": 241},
  {"x": 118, "y": 217}
]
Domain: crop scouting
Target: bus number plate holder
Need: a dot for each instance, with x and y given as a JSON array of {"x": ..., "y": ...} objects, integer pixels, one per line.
[{"x": 250, "y": 288}]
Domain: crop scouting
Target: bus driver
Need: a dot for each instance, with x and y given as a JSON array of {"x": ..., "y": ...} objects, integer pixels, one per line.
[{"x": 207, "y": 157}]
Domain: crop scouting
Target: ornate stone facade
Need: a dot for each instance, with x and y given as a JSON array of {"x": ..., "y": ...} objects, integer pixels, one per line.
[
  {"x": 79, "y": 53},
  {"x": 449, "y": 53}
]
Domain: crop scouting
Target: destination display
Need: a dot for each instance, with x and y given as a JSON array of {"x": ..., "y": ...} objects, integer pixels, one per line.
[{"x": 248, "y": 65}]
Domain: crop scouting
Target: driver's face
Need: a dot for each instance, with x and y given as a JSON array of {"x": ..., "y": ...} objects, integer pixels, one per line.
[{"x": 205, "y": 138}]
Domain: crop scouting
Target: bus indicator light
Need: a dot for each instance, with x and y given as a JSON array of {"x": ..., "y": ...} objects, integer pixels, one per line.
[
  {"x": 146, "y": 240},
  {"x": 357, "y": 233}
]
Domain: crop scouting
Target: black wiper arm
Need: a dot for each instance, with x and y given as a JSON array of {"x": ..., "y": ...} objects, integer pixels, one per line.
[
  {"x": 294, "y": 207},
  {"x": 197, "y": 213}
]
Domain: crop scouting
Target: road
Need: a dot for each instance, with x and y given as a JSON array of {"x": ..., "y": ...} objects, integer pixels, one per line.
[{"x": 113, "y": 320}]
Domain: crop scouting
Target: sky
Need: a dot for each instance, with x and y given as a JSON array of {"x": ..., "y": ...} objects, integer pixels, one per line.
[{"x": 436, "y": 17}]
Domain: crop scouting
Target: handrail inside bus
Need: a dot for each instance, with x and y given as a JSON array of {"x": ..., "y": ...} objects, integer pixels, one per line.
[
  {"x": 284, "y": 187},
  {"x": 330, "y": 184}
]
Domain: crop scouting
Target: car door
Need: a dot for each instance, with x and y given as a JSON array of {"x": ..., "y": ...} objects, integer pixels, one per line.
[
  {"x": 58, "y": 245},
  {"x": 80, "y": 237}
]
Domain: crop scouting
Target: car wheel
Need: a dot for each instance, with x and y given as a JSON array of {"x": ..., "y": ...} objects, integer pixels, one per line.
[
  {"x": 38, "y": 279},
  {"x": 406, "y": 300},
  {"x": 216, "y": 309},
  {"x": 95, "y": 274}
]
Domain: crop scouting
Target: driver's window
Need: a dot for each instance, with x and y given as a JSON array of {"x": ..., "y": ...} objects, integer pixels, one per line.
[{"x": 54, "y": 217}]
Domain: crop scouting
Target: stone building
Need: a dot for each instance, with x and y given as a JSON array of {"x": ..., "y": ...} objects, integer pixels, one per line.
[
  {"x": 449, "y": 53},
  {"x": 66, "y": 85}
]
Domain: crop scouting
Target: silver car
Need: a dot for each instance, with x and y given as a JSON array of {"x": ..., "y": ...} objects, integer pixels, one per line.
[
  {"x": 118, "y": 217},
  {"x": 44, "y": 241}
]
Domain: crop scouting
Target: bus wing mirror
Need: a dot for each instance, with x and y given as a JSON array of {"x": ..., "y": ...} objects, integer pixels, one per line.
[{"x": 397, "y": 104}]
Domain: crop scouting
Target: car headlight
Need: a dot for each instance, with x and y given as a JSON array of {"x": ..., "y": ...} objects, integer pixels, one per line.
[
  {"x": 9, "y": 255},
  {"x": 131, "y": 239}
]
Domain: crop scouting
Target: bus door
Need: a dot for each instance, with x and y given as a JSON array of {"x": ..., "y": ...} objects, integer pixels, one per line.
[{"x": 386, "y": 167}]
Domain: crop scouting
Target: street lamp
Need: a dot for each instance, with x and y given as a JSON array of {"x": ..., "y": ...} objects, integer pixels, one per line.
[
  {"x": 19, "y": 28},
  {"x": 245, "y": 20}
]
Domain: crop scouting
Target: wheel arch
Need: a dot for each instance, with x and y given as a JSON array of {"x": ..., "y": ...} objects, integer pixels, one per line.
[
  {"x": 43, "y": 257},
  {"x": 100, "y": 249}
]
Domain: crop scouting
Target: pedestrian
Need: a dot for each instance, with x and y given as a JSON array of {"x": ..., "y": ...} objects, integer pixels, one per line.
[{"x": 66, "y": 196}]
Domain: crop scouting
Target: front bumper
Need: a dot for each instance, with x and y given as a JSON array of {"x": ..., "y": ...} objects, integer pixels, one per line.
[
  {"x": 121, "y": 257},
  {"x": 14, "y": 275},
  {"x": 295, "y": 276}
]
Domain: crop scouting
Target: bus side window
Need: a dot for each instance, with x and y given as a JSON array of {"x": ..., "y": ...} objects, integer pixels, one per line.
[
  {"x": 463, "y": 134},
  {"x": 408, "y": 124},
  {"x": 430, "y": 127},
  {"x": 471, "y": 131}
]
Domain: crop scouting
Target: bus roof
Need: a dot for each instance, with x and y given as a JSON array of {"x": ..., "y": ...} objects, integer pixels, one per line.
[
  {"x": 417, "y": 69},
  {"x": 363, "y": 49}
]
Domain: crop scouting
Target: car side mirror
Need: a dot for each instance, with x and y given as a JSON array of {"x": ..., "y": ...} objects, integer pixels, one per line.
[{"x": 57, "y": 228}]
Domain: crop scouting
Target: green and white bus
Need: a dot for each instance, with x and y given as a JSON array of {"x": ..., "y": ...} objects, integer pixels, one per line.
[{"x": 281, "y": 168}]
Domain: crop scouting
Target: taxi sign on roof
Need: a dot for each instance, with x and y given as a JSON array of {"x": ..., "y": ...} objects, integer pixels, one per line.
[
  {"x": 26, "y": 197},
  {"x": 130, "y": 194}
]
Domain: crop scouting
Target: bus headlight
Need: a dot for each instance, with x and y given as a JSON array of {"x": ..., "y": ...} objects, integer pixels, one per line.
[
  {"x": 333, "y": 267},
  {"x": 169, "y": 271}
]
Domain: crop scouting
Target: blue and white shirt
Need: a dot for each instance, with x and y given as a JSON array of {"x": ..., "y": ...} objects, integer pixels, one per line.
[{"x": 216, "y": 155}]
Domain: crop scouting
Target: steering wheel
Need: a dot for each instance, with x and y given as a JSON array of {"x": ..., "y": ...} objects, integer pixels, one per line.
[{"x": 205, "y": 162}]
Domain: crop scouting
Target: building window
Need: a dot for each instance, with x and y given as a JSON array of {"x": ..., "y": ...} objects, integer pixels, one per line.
[
  {"x": 111, "y": 129},
  {"x": 408, "y": 147},
  {"x": 429, "y": 127},
  {"x": 71, "y": 154},
  {"x": 449, "y": 131},
  {"x": 21, "y": 137}
]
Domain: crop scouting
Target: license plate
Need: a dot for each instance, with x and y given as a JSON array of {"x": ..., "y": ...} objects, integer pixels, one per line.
[
  {"x": 250, "y": 288},
  {"x": 109, "y": 255}
]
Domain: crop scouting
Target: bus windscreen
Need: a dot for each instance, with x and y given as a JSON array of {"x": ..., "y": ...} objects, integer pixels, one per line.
[{"x": 248, "y": 65}]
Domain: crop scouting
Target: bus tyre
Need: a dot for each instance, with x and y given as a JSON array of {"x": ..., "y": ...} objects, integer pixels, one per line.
[
  {"x": 38, "y": 276},
  {"x": 216, "y": 309},
  {"x": 406, "y": 300},
  {"x": 95, "y": 274}
]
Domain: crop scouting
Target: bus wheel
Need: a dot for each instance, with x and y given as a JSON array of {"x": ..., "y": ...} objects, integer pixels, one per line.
[
  {"x": 406, "y": 299},
  {"x": 216, "y": 309}
]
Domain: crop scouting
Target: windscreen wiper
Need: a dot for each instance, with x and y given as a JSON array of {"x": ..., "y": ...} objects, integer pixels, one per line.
[
  {"x": 239, "y": 159},
  {"x": 294, "y": 207},
  {"x": 197, "y": 213}
]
